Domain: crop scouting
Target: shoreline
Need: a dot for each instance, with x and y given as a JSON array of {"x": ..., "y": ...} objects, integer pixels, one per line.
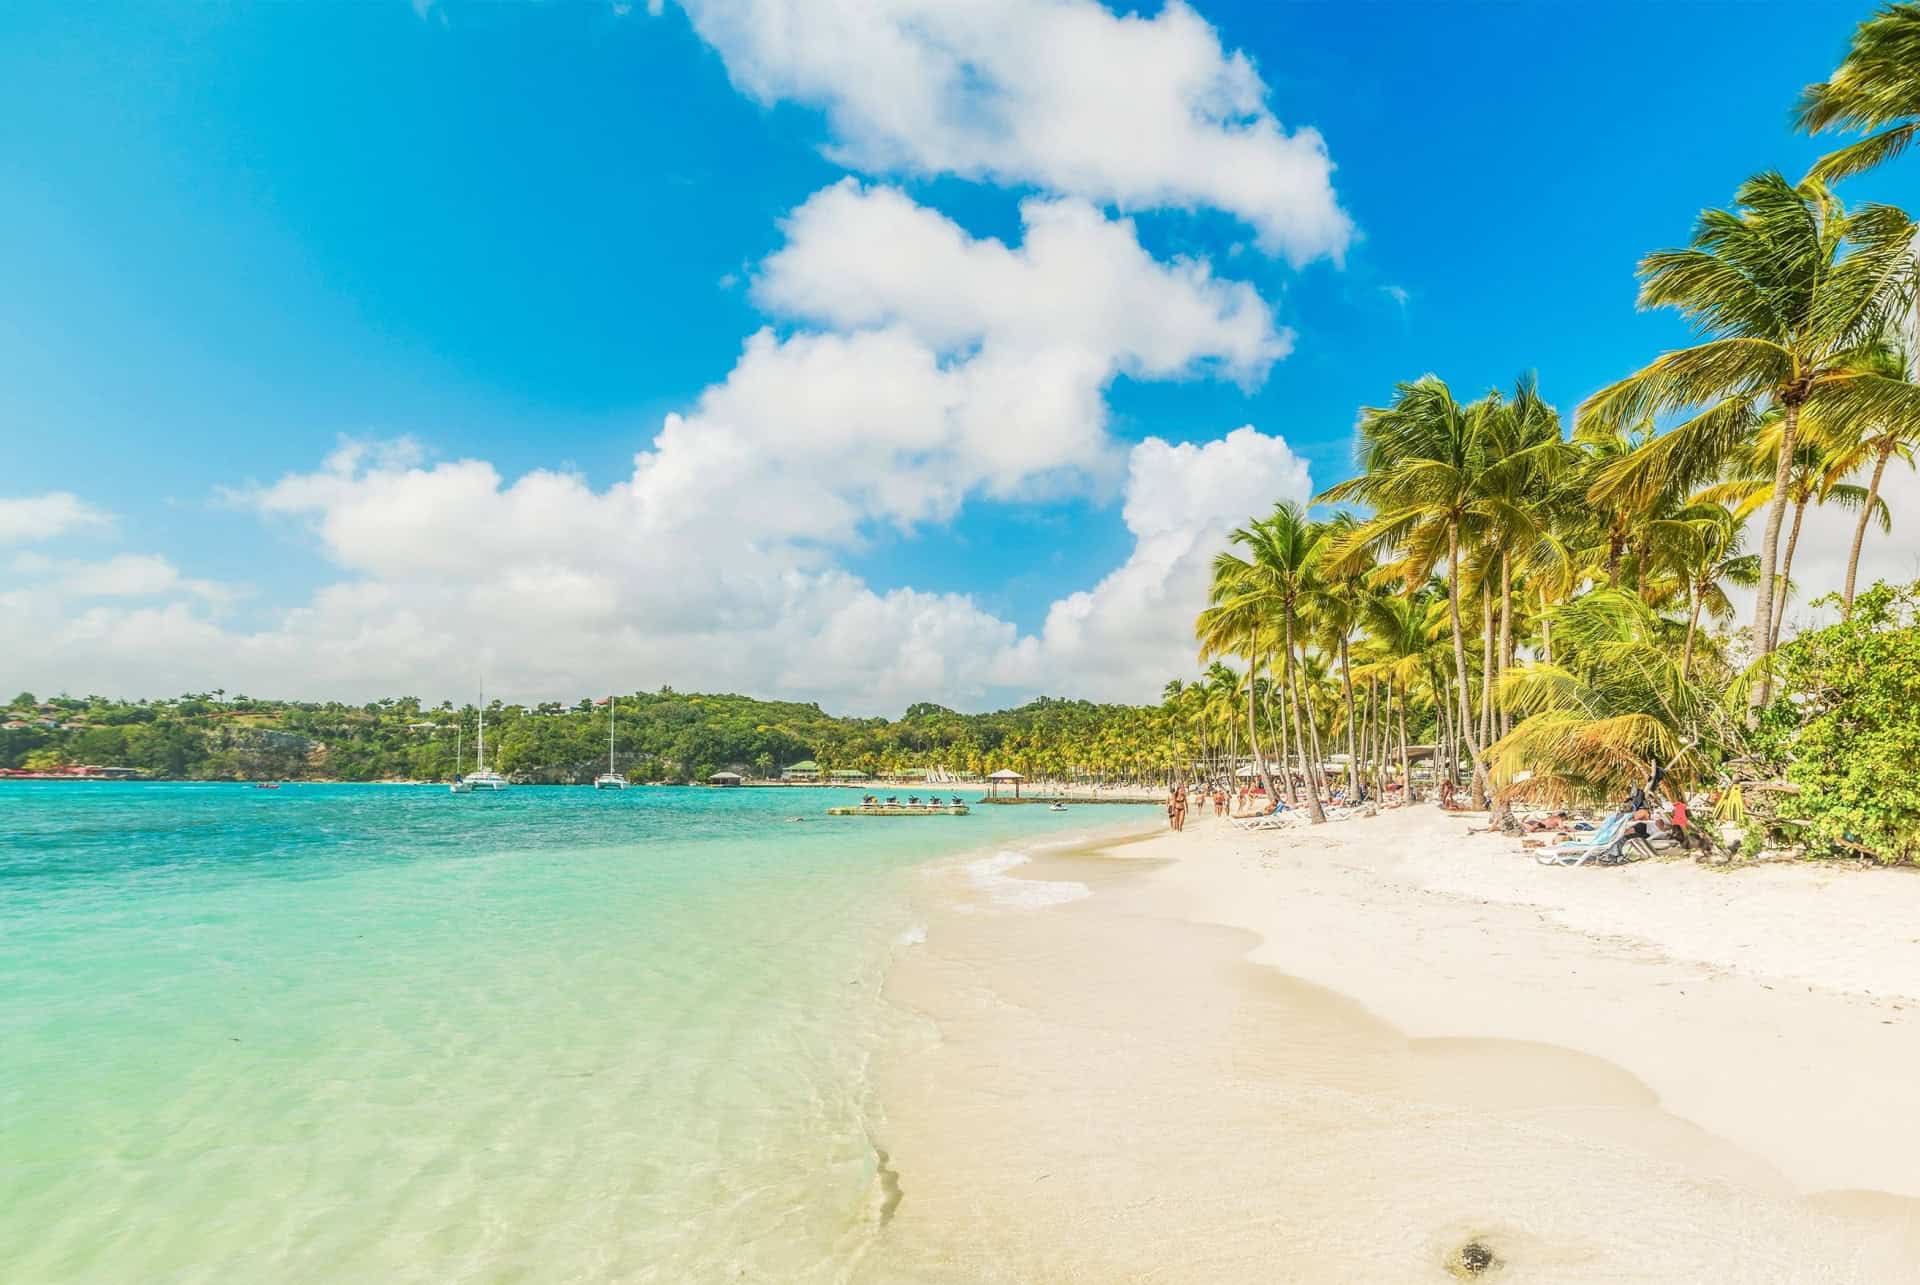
[{"x": 1221, "y": 1056}]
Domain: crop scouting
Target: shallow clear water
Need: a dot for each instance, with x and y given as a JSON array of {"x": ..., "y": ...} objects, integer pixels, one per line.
[{"x": 366, "y": 1032}]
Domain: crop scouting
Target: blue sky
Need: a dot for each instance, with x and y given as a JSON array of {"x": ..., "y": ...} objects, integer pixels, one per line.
[{"x": 234, "y": 236}]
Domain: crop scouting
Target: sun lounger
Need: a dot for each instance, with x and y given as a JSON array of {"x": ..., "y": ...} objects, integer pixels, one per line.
[
  {"x": 1590, "y": 848},
  {"x": 1269, "y": 821}
]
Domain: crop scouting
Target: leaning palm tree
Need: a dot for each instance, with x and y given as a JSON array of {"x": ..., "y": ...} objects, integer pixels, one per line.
[
  {"x": 1701, "y": 545},
  {"x": 1782, "y": 287},
  {"x": 1876, "y": 87},
  {"x": 1613, "y": 704}
]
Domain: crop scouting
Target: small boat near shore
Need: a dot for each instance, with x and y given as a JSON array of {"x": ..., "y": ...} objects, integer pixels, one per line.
[
  {"x": 611, "y": 779},
  {"x": 482, "y": 777},
  {"x": 900, "y": 810}
]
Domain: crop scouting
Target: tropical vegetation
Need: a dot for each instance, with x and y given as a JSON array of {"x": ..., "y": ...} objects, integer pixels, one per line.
[
  {"x": 1548, "y": 607},
  {"x": 663, "y": 735}
]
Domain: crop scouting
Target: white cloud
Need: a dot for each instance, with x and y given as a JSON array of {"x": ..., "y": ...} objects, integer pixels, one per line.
[
  {"x": 1126, "y": 636},
  {"x": 125, "y": 575},
  {"x": 915, "y": 367},
  {"x": 29, "y": 519},
  {"x": 1142, "y": 113},
  {"x": 550, "y": 587},
  {"x": 951, "y": 366}
]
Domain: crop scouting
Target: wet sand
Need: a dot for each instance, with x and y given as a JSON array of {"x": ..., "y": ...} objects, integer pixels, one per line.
[{"x": 1110, "y": 1080}]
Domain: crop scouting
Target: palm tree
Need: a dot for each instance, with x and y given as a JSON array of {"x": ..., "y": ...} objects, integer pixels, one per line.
[
  {"x": 1436, "y": 488},
  {"x": 1266, "y": 586},
  {"x": 1397, "y": 634},
  {"x": 1815, "y": 479},
  {"x": 1875, "y": 87},
  {"x": 1701, "y": 543},
  {"x": 1783, "y": 287},
  {"x": 1856, "y": 442},
  {"x": 1233, "y": 624},
  {"x": 1338, "y": 608},
  {"x": 1615, "y": 702},
  {"x": 1528, "y": 457}
]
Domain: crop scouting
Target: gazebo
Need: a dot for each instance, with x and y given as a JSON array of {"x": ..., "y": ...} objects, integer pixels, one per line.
[
  {"x": 724, "y": 778},
  {"x": 1004, "y": 775}
]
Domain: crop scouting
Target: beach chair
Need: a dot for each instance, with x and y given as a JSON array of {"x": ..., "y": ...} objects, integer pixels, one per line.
[
  {"x": 1595, "y": 846},
  {"x": 1269, "y": 820}
]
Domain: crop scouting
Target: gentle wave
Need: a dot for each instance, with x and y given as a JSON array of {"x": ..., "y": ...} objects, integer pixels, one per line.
[{"x": 989, "y": 874}]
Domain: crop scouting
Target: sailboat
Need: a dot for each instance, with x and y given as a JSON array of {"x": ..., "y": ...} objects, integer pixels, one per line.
[
  {"x": 610, "y": 779},
  {"x": 482, "y": 777}
]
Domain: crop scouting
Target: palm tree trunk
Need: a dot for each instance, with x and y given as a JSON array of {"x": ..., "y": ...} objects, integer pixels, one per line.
[
  {"x": 1486, "y": 663},
  {"x": 1315, "y": 813},
  {"x": 1253, "y": 730},
  {"x": 1506, "y": 631},
  {"x": 1546, "y": 629},
  {"x": 1406, "y": 771},
  {"x": 1353, "y": 732},
  {"x": 1866, "y": 514},
  {"x": 1363, "y": 737},
  {"x": 1762, "y": 637},
  {"x": 1445, "y": 713},
  {"x": 1371, "y": 735},
  {"x": 1460, "y": 659},
  {"x": 1286, "y": 773},
  {"x": 1786, "y": 574},
  {"x": 1313, "y": 720},
  {"x": 1695, "y": 602}
]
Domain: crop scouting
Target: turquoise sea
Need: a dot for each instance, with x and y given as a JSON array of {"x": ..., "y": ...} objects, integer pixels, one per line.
[{"x": 385, "y": 1033}]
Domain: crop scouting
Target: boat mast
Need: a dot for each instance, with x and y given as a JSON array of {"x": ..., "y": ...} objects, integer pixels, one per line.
[
  {"x": 480, "y": 757},
  {"x": 611, "y": 703}
]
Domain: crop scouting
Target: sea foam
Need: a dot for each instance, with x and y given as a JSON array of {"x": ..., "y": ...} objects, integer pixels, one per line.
[{"x": 989, "y": 874}]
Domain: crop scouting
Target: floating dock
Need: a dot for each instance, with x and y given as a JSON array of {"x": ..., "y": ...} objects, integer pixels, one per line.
[{"x": 901, "y": 810}]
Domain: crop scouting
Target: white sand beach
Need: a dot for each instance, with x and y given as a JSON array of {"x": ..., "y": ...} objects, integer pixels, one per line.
[{"x": 1349, "y": 1052}]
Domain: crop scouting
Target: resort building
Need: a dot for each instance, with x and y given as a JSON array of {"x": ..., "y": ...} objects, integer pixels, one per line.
[
  {"x": 804, "y": 770},
  {"x": 725, "y": 778}
]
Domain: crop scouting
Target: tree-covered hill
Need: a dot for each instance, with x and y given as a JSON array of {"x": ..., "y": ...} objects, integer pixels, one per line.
[{"x": 664, "y": 735}]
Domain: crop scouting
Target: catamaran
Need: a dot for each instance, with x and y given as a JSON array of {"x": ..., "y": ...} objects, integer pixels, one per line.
[
  {"x": 610, "y": 779},
  {"x": 482, "y": 777}
]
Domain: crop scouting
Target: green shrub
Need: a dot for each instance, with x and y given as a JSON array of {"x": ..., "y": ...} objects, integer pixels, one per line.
[{"x": 1848, "y": 721}]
